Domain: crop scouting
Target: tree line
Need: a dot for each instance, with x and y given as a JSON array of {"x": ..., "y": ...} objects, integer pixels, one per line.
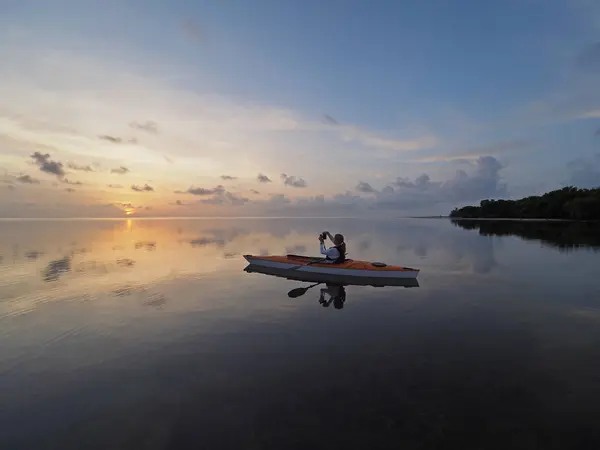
[
  {"x": 564, "y": 236},
  {"x": 568, "y": 203}
]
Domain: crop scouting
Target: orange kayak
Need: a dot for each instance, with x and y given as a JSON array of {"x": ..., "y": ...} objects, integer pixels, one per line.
[{"x": 349, "y": 268}]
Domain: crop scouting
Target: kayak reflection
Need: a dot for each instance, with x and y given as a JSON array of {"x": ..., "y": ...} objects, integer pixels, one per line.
[{"x": 334, "y": 290}]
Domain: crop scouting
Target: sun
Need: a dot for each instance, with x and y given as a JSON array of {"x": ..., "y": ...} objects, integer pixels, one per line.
[{"x": 129, "y": 212}]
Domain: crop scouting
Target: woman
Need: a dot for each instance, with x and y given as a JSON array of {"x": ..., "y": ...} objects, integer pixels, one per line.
[{"x": 335, "y": 254}]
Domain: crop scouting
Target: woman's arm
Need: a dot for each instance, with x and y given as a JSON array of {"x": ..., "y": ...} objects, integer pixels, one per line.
[{"x": 323, "y": 249}]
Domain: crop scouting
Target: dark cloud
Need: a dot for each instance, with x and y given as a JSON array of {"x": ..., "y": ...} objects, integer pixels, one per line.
[
  {"x": 115, "y": 186},
  {"x": 365, "y": 188},
  {"x": 254, "y": 191},
  {"x": 10, "y": 186},
  {"x": 74, "y": 183},
  {"x": 113, "y": 139},
  {"x": 117, "y": 140},
  {"x": 293, "y": 181},
  {"x": 121, "y": 170},
  {"x": 228, "y": 177},
  {"x": 74, "y": 166},
  {"x": 330, "y": 120},
  {"x": 263, "y": 178},
  {"x": 148, "y": 126},
  {"x": 585, "y": 172},
  {"x": 589, "y": 58},
  {"x": 144, "y": 188},
  {"x": 27, "y": 179},
  {"x": 202, "y": 191},
  {"x": 178, "y": 203},
  {"x": 47, "y": 165},
  {"x": 70, "y": 190}
]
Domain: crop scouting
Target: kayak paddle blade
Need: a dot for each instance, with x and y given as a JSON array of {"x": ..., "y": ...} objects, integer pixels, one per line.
[{"x": 297, "y": 292}]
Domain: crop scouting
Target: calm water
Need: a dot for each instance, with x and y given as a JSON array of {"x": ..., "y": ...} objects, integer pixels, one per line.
[{"x": 148, "y": 334}]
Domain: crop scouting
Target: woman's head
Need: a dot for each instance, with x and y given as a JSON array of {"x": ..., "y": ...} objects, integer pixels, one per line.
[{"x": 338, "y": 239}]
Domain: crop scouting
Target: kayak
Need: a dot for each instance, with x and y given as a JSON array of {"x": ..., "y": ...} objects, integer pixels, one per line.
[
  {"x": 340, "y": 280},
  {"x": 349, "y": 268}
]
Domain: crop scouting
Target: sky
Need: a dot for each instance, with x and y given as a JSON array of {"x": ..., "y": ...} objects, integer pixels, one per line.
[{"x": 296, "y": 108}]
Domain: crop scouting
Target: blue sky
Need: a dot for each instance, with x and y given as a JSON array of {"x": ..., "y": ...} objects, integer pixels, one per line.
[{"x": 240, "y": 88}]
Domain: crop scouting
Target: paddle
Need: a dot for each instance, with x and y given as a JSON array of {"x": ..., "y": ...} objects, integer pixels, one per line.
[{"x": 300, "y": 291}]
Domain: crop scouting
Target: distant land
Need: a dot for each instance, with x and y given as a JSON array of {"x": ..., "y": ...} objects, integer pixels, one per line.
[{"x": 569, "y": 203}]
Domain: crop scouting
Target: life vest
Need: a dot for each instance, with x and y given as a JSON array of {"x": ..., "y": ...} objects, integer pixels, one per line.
[{"x": 342, "y": 251}]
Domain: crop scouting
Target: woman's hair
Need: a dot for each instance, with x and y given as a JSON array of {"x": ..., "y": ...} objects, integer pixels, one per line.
[{"x": 339, "y": 238}]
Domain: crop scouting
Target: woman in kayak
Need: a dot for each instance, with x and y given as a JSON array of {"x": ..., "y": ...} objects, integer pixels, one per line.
[{"x": 335, "y": 254}]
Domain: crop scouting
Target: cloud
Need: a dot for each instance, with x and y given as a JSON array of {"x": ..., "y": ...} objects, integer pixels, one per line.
[
  {"x": 279, "y": 199},
  {"x": 115, "y": 186},
  {"x": 202, "y": 191},
  {"x": 47, "y": 165},
  {"x": 254, "y": 191},
  {"x": 74, "y": 166},
  {"x": 117, "y": 140},
  {"x": 263, "y": 178},
  {"x": 27, "y": 179},
  {"x": 293, "y": 181},
  {"x": 144, "y": 188},
  {"x": 75, "y": 183},
  {"x": 330, "y": 120},
  {"x": 70, "y": 190},
  {"x": 121, "y": 170},
  {"x": 422, "y": 182},
  {"x": 148, "y": 126},
  {"x": 365, "y": 187},
  {"x": 228, "y": 177},
  {"x": 482, "y": 181},
  {"x": 167, "y": 159},
  {"x": 226, "y": 198},
  {"x": 585, "y": 172},
  {"x": 10, "y": 186}
]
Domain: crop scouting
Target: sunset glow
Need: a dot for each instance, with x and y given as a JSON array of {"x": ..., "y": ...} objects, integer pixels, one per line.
[{"x": 262, "y": 125}]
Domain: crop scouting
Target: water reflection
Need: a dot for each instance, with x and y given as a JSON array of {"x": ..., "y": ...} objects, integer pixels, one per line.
[
  {"x": 198, "y": 353},
  {"x": 56, "y": 268},
  {"x": 332, "y": 287},
  {"x": 563, "y": 236}
]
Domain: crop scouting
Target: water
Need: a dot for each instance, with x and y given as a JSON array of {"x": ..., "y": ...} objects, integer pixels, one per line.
[{"x": 148, "y": 334}]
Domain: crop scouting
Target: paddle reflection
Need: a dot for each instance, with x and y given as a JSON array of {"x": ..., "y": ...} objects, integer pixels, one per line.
[{"x": 332, "y": 288}]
